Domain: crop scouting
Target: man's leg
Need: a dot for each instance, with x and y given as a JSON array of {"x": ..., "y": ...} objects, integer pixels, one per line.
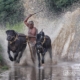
[{"x": 33, "y": 52}]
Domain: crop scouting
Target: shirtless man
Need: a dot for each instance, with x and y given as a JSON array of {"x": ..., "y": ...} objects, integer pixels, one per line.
[{"x": 31, "y": 35}]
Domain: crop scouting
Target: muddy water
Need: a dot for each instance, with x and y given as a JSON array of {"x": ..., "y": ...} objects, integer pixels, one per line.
[{"x": 62, "y": 71}]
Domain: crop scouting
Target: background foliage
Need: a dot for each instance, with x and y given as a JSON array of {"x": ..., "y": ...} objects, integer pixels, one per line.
[
  {"x": 19, "y": 27},
  {"x": 0, "y": 55},
  {"x": 11, "y": 11},
  {"x": 59, "y": 5},
  {"x": 3, "y": 66}
]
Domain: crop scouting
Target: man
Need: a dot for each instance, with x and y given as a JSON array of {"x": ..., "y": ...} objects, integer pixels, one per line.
[{"x": 31, "y": 35}]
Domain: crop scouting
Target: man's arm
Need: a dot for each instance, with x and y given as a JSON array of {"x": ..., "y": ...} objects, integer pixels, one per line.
[{"x": 25, "y": 21}]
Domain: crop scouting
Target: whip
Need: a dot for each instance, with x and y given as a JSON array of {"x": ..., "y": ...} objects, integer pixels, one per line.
[{"x": 37, "y": 12}]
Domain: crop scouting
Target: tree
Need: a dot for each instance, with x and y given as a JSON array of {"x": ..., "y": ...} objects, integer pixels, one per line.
[
  {"x": 11, "y": 11},
  {"x": 59, "y": 5}
]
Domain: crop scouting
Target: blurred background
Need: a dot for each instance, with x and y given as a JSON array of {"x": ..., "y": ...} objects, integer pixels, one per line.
[{"x": 60, "y": 19}]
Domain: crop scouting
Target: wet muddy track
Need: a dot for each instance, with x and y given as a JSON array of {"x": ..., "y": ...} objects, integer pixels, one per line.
[{"x": 64, "y": 71}]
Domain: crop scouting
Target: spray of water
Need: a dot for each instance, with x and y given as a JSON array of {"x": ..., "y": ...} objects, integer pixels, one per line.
[
  {"x": 62, "y": 30},
  {"x": 3, "y": 43}
]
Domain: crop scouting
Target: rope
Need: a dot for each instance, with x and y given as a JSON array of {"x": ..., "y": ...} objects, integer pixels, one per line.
[
  {"x": 13, "y": 40},
  {"x": 44, "y": 40}
]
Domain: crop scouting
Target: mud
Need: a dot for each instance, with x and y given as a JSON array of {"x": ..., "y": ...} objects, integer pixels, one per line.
[{"x": 61, "y": 71}]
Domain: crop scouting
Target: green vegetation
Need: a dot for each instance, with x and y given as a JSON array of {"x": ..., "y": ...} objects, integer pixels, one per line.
[
  {"x": 59, "y": 5},
  {"x": 3, "y": 66},
  {"x": 19, "y": 27},
  {"x": 0, "y": 55},
  {"x": 11, "y": 11},
  {"x": 0, "y": 59}
]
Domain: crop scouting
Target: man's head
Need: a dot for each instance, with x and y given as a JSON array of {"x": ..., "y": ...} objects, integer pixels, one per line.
[{"x": 30, "y": 24}]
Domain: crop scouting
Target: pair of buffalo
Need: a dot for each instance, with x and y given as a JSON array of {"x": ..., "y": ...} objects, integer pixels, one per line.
[{"x": 17, "y": 44}]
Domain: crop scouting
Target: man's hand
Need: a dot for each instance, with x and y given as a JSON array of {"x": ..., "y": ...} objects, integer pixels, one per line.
[
  {"x": 27, "y": 37},
  {"x": 25, "y": 21},
  {"x": 31, "y": 15}
]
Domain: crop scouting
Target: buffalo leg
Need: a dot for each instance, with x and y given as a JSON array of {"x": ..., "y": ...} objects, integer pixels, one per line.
[
  {"x": 42, "y": 58},
  {"x": 38, "y": 59},
  {"x": 20, "y": 55},
  {"x": 10, "y": 57},
  {"x": 50, "y": 53},
  {"x": 15, "y": 56},
  {"x": 33, "y": 55}
]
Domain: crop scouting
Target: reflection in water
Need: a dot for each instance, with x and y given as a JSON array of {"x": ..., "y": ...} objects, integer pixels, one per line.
[
  {"x": 22, "y": 73},
  {"x": 64, "y": 71},
  {"x": 30, "y": 73},
  {"x": 45, "y": 74}
]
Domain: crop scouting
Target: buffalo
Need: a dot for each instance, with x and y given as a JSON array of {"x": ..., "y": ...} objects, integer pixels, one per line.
[
  {"x": 16, "y": 43},
  {"x": 43, "y": 44}
]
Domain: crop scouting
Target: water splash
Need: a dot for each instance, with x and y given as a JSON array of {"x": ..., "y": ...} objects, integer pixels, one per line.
[
  {"x": 63, "y": 42},
  {"x": 3, "y": 43},
  {"x": 61, "y": 30}
]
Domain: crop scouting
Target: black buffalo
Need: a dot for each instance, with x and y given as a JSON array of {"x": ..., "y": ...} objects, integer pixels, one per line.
[
  {"x": 43, "y": 44},
  {"x": 17, "y": 44}
]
